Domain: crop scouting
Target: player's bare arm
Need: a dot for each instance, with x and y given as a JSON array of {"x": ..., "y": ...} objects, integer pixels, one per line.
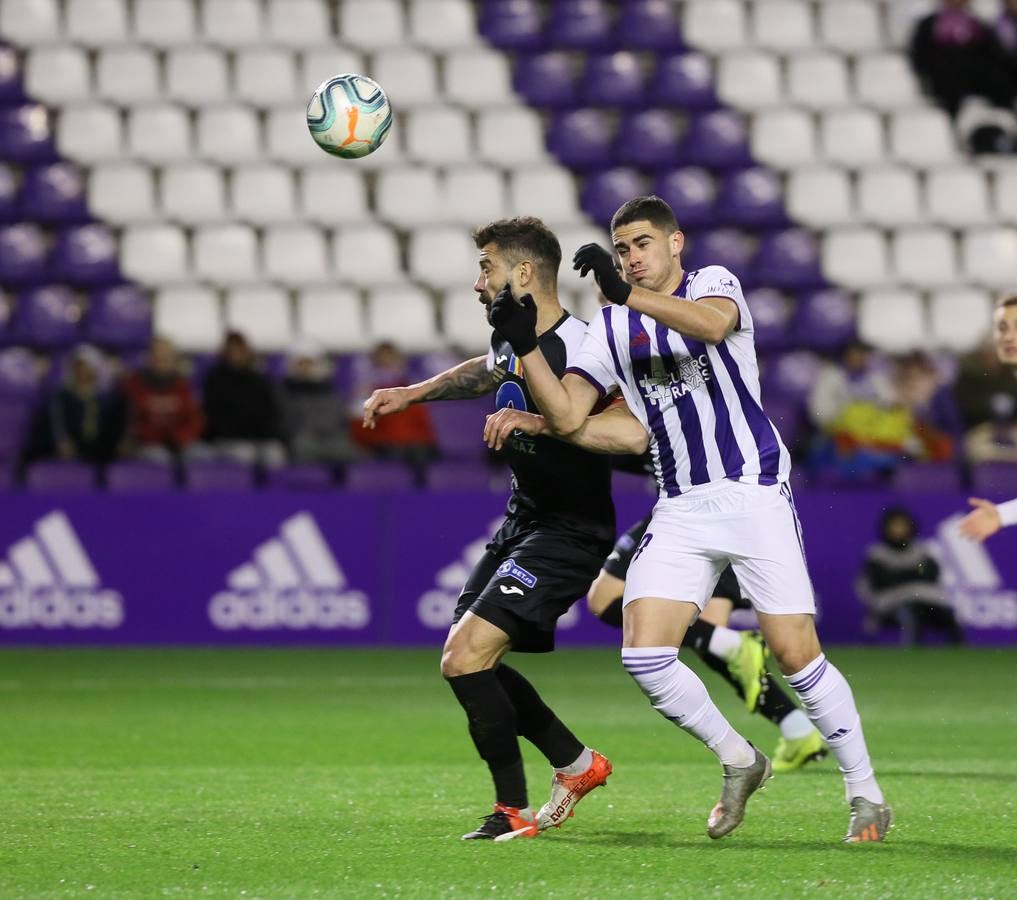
[
  {"x": 615, "y": 430},
  {"x": 463, "y": 382}
]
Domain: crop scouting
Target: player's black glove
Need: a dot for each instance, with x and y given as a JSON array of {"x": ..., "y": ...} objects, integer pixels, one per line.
[
  {"x": 593, "y": 257},
  {"x": 516, "y": 321}
]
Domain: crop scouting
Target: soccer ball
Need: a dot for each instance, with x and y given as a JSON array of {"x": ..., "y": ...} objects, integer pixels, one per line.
[{"x": 349, "y": 116}]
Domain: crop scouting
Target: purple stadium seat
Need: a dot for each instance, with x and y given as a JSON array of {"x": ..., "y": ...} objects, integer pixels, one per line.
[
  {"x": 19, "y": 373},
  {"x": 378, "y": 475},
  {"x": 691, "y": 192},
  {"x": 12, "y": 90},
  {"x": 786, "y": 414},
  {"x": 791, "y": 375},
  {"x": 459, "y": 427},
  {"x": 26, "y": 134},
  {"x": 789, "y": 258},
  {"x": 998, "y": 480},
  {"x": 630, "y": 483},
  {"x": 300, "y": 477},
  {"x": 582, "y": 139},
  {"x": 603, "y": 192},
  {"x": 581, "y": 25},
  {"x": 649, "y": 139},
  {"x": 219, "y": 475},
  {"x": 824, "y": 320},
  {"x": 513, "y": 24},
  {"x": 716, "y": 139},
  {"x": 9, "y": 194},
  {"x": 466, "y": 476},
  {"x": 649, "y": 25},
  {"x": 24, "y": 251},
  {"x": 927, "y": 478},
  {"x": 771, "y": 315},
  {"x": 14, "y": 415},
  {"x": 753, "y": 197},
  {"x": 728, "y": 247},
  {"x": 683, "y": 81},
  {"x": 546, "y": 79},
  {"x": 87, "y": 254},
  {"x": 119, "y": 316},
  {"x": 613, "y": 79},
  {"x": 48, "y": 317},
  {"x": 60, "y": 476},
  {"x": 134, "y": 476},
  {"x": 54, "y": 193}
]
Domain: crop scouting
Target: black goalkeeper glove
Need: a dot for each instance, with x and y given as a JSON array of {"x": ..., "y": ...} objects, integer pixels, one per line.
[
  {"x": 593, "y": 257},
  {"x": 516, "y": 321}
]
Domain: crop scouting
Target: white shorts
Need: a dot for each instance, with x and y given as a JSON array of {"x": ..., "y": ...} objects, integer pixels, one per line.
[{"x": 691, "y": 538}]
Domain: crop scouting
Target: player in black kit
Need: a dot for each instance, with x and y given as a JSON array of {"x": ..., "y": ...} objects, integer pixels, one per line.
[{"x": 559, "y": 526}]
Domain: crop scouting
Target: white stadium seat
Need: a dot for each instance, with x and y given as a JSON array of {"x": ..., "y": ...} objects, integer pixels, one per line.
[
  {"x": 122, "y": 193},
  {"x": 478, "y": 78},
  {"x": 958, "y": 196},
  {"x": 154, "y": 254},
  {"x": 225, "y": 254},
  {"x": 159, "y": 133},
  {"x": 333, "y": 195},
  {"x": 189, "y": 317},
  {"x": 474, "y": 195},
  {"x": 263, "y": 194},
  {"x": 443, "y": 258},
  {"x": 548, "y": 192},
  {"x": 820, "y": 197},
  {"x": 408, "y": 196},
  {"x": 571, "y": 239},
  {"x": 893, "y": 321},
  {"x": 441, "y": 24},
  {"x": 321, "y": 63},
  {"x": 197, "y": 76},
  {"x": 510, "y": 137},
  {"x": 990, "y": 257},
  {"x": 288, "y": 140},
  {"x": 851, "y": 26},
  {"x": 922, "y": 137},
  {"x": 817, "y": 81},
  {"x": 410, "y": 77},
  {"x": 266, "y": 76},
  {"x": 232, "y": 23},
  {"x": 367, "y": 255},
  {"x": 439, "y": 135},
  {"x": 127, "y": 75},
  {"x": 889, "y": 195},
  {"x": 95, "y": 23},
  {"x": 262, "y": 314},
  {"x": 1005, "y": 195},
  {"x": 784, "y": 138},
  {"x": 715, "y": 25},
  {"x": 89, "y": 133},
  {"x": 403, "y": 315},
  {"x": 925, "y": 257},
  {"x": 855, "y": 257},
  {"x": 27, "y": 22},
  {"x": 58, "y": 74},
  {"x": 749, "y": 80},
  {"x": 961, "y": 319},
  {"x": 371, "y": 23},
  {"x": 853, "y": 137},
  {"x": 885, "y": 81},
  {"x": 299, "y": 23},
  {"x": 165, "y": 23},
  {"x": 193, "y": 194},
  {"x": 464, "y": 321},
  {"x": 783, "y": 25},
  {"x": 333, "y": 317},
  {"x": 229, "y": 134}
]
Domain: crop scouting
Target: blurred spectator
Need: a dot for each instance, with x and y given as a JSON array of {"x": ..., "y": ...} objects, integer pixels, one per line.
[
  {"x": 84, "y": 418},
  {"x": 164, "y": 415},
  {"x": 406, "y": 435},
  {"x": 314, "y": 420},
  {"x": 241, "y": 408},
  {"x": 935, "y": 420},
  {"x": 901, "y": 585}
]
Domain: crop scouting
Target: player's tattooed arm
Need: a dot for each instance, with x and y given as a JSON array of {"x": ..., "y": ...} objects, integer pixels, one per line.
[{"x": 615, "y": 430}]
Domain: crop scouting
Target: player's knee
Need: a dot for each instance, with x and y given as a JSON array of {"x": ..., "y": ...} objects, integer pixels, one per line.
[
  {"x": 460, "y": 658},
  {"x": 793, "y": 658}
]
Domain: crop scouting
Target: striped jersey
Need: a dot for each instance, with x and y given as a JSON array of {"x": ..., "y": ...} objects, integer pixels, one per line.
[{"x": 700, "y": 403}]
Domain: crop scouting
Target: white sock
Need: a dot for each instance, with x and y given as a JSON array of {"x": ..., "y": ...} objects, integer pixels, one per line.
[
  {"x": 677, "y": 694},
  {"x": 724, "y": 642},
  {"x": 796, "y": 725},
  {"x": 582, "y": 763},
  {"x": 829, "y": 703}
]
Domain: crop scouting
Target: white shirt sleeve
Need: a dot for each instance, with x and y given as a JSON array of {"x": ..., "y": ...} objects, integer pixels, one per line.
[
  {"x": 1007, "y": 512},
  {"x": 490, "y": 359},
  {"x": 593, "y": 361},
  {"x": 716, "y": 281}
]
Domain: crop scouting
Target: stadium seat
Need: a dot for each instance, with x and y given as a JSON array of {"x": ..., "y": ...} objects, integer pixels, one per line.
[
  {"x": 85, "y": 254},
  {"x": 120, "y": 317},
  {"x": 464, "y": 321},
  {"x": 218, "y": 476},
  {"x": 512, "y": 26},
  {"x": 190, "y": 317},
  {"x": 298, "y": 23},
  {"x": 410, "y": 196},
  {"x": 27, "y": 22},
  {"x": 138, "y": 476},
  {"x": 371, "y": 23},
  {"x": 478, "y": 78},
  {"x": 649, "y": 25},
  {"x": 612, "y": 79},
  {"x": 266, "y": 77},
  {"x": 885, "y": 81},
  {"x": 728, "y": 247},
  {"x": 753, "y": 197},
  {"x": 12, "y": 88},
  {"x": 54, "y": 193},
  {"x": 510, "y": 137},
  {"x": 159, "y": 134},
  {"x": 333, "y": 317},
  {"x": 473, "y": 195},
  {"x": 438, "y": 135},
  {"x": 547, "y": 192},
  {"x": 165, "y": 23},
  {"x": 122, "y": 193},
  {"x": 378, "y": 476},
  {"x": 197, "y": 76},
  {"x": 578, "y": 25},
  {"x": 893, "y": 321},
  {"x": 958, "y": 196},
  {"x": 332, "y": 195},
  {"x": 749, "y": 80},
  {"x": 961, "y": 319},
  {"x": 410, "y": 76},
  {"x": 922, "y": 137},
  {"x": 442, "y": 24},
  {"x": 1005, "y": 195},
  {"x": 603, "y": 192},
  {"x": 63, "y": 476},
  {"x": 403, "y": 315},
  {"x": 232, "y": 23},
  {"x": 717, "y": 139},
  {"x": 229, "y": 134},
  {"x": 24, "y": 253},
  {"x": 320, "y": 63},
  {"x": 824, "y": 320},
  {"x": 58, "y": 74},
  {"x": 850, "y": 26},
  {"x": 263, "y": 194},
  {"x": 367, "y": 255},
  {"x": 692, "y": 191},
  {"x": 48, "y": 317},
  {"x": 226, "y": 254},
  {"x": 455, "y": 250},
  {"x": 295, "y": 255},
  {"x": 789, "y": 258},
  {"x": 682, "y": 81},
  {"x": 89, "y": 133},
  {"x": 583, "y": 139},
  {"x": 649, "y": 139},
  {"x": 288, "y": 141},
  {"x": 784, "y": 138},
  {"x": 193, "y": 194},
  {"x": 817, "y": 81},
  {"x": 262, "y": 314},
  {"x": 19, "y": 373},
  {"x": 990, "y": 257},
  {"x": 889, "y": 195},
  {"x": 771, "y": 319},
  {"x": 852, "y": 137},
  {"x": 127, "y": 75},
  {"x": 715, "y": 25},
  {"x": 10, "y": 190},
  {"x": 26, "y": 133},
  {"x": 154, "y": 254},
  {"x": 855, "y": 257},
  {"x": 925, "y": 257},
  {"x": 782, "y": 25},
  {"x": 95, "y": 23},
  {"x": 820, "y": 197}
]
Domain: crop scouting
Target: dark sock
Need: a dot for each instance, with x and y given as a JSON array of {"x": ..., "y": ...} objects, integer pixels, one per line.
[
  {"x": 698, "y": 638},
  {"x": 493, "y": 724},
  {"x": 713, "y": 661},
  {"x": 536, "y": 722},
  {"x": 613, "y": 614},
  {"x": 774, "y": 704}
]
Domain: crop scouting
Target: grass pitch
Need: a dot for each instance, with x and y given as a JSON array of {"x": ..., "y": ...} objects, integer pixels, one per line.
[{"x": 310, "y": 773}]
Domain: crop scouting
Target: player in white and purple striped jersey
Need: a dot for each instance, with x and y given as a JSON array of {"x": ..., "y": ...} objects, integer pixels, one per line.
[{"x": 679, "y": 347}]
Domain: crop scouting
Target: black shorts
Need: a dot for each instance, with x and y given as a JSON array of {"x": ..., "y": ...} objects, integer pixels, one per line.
[
  {"x": 617, "y": 564},
  {"x": 528, "y": 577}
]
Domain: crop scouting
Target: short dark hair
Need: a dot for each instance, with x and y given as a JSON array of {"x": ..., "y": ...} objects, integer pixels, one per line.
[
  {"x": 652, "y": 209},
  {"x": 524, "y": 237},
  {"x": 1007, "y": 301}
]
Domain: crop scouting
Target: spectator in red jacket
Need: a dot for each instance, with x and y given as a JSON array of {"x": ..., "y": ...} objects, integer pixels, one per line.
[{"x": 165, "y": 417}]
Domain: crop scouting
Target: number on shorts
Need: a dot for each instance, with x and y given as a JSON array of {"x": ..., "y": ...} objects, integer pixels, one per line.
[{"x": 643, "y": 541}]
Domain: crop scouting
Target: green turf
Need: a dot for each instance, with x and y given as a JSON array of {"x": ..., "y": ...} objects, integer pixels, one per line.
[{"x": 334, "y": 773}]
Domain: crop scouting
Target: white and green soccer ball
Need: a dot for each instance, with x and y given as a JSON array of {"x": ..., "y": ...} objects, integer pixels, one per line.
[{"x": 349, "y": 116}]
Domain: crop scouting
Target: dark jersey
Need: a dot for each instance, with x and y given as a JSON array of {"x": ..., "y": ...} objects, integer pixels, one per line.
[{"x": 553, "y": 482}]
